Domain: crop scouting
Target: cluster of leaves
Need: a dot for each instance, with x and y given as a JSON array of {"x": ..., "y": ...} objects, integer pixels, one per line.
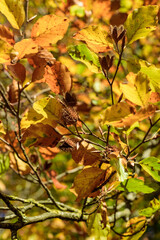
[{"x": 89, "y": 107}]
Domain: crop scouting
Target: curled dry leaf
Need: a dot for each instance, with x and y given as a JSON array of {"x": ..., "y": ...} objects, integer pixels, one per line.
[
  {"x": 6, "y": 35},
  {"x": 49, "y": 29}
]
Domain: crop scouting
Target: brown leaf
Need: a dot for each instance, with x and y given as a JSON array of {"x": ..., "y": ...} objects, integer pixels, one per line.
[
  {"x": 41, "y": 135},
  {"x": 13, "y": 91},
  {"x": 86, "y": 181},
  {"x": 49, "y": 29},
  {"x": 6, "y": 35},
  {"x": 18, "y": 71},
  {"x": 85, "y": 154}
]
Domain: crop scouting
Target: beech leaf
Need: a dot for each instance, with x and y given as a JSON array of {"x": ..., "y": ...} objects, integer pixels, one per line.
[
  {"x": 141, "y": 22},
  {"x": 13, "y": 11},
  {"x": 86, "y": 181},
  {"x": 83, "y": 54},
  {"x": 4, "y": 163},
  {"x": 152, "y": 166},
  {"x": 25, "y": 48},
  {"x": 5, "y": 53},
  {"x": 96, "y": 38},
  {"x": 18, "y": 71},
  {"x": 49, "y": 29},
  {"x": 154, "y": 206},
  {"x": 40, "y": 135},
  {"x": 116, "y": 112},
  {"x": 6, "y": 35},
  {"x": 137, "y": 90}
]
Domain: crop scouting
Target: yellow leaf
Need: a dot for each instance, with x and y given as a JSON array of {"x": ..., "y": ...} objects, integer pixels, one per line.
[
  {"x": 137, "y": 92},
  {"x": 2, "y": 131},
  {"x": 87, "y": 181},
  {"x": 142, "y": 114},
  {"x": 49, "y": 29},
  {"x": 116, "y": 112},
  {"x": 96, "y": 38},
  {"x": 13, "y": 11},
  {"x": 5, "y": 53}
]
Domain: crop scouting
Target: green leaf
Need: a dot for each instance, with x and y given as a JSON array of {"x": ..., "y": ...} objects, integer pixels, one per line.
[
  {"x": 154, "y": 206},
  {"x": 13, "y": 11},
  {"x": 78, "y": 11},
  {"x": 141, "y": 22},
  {"x": 137, "y": 185},
  {"x": 153, "y": 74},
  {"x": 137, "y": 90},
  {"x": 152, "y": 166},
  {"x": 83, "y": 54},
  {"x": 4, "y": 163},
  {"x": 96, "y": 227}
]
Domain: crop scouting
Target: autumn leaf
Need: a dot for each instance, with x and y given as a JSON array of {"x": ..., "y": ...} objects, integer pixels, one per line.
[
  {"x": 56, "y": 76},
  {"x": 5, "y": 53},
  {"x": 18, "y": 165},
  {"x": 18, "y": 71},
  {"x": 13, "y": 11},
  {"x": 48, "y": 152},
  {"x": 52, "y": 174},
  {"x": 49, "y": 29},
  {"x": 86, "y": 181},
  {"x": 85, "y": 154},
  {"x": 6, "y": 35},
  {"x": 26, "y": 48},
  {"x": 141, "y": 22},
  {"x": 83, "y": 54},
  {"x": 154, "y": 206},
  {"x": 152, "y": 166},
  {"x": 140, "y": 115},
  {"x": 96, "y": 38},
  {"x": 116, "y": 112},
  {"x": 137, "y": 90},
  {"x": 40, "y": 135}
]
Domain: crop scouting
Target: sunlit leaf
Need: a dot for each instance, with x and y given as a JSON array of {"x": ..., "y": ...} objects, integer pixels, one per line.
[
  {"x": 116, "y": 112},
  {"x": 13, "y": 11},
  {"x": 140, "y": 115},
  {"x": 137, "y": 90},
  {"x": 2, "y": 130},
  {"x": 4, "y": 163},
  {"x": 137, "y": 185},
  {"x": 153, "y": 74},
  {"x": 141, "y": 22},
  {"x": 49, "y": 29},
  {"x": 97, "y": 229},
  {"x": 96, "y": 38},
  {"x": 152, "y": 166},
  {"x": 25, "y": 48},
  {"x": 83, "y": 54},
  {"x": 86, "y": 181},
  {"x": 6, "y": 35},
  {"x": 136, "y": 228},
  {"x": 40, "y": 135},
  {"x": 18, "y": 165},
  {"x": 154, "y": 206}
]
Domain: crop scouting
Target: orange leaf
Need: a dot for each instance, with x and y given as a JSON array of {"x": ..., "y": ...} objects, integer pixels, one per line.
[
  {"x": 48, "y": 152},
  {"x": 57, "y": 184},
  {"x": 26, "y": 48},
  {"x": 154, "y": 97},
  {"x": 6, "y": 35},
  {"x": 87, "y": 181},
  {"x": 49, "y": 29},
  {"x": 18, "y": 71}
]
